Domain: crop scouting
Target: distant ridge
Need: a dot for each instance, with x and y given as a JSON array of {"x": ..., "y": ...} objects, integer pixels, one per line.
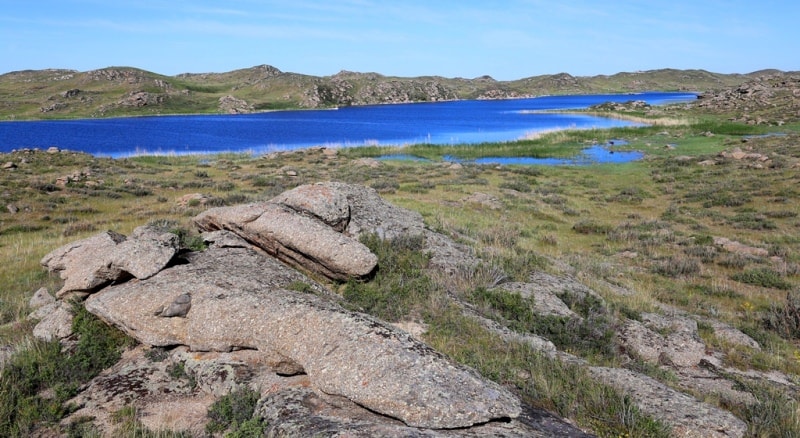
[{"x": 125, "y": 91}]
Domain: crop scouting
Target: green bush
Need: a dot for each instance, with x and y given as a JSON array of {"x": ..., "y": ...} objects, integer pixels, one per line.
[
  {"x": 44, "y": 366},
  {"x": 234, "y": 413},
  {"x": 591, "y": 227},
  {"x": 400, "y": 282},
  {"x": 763, "y": 277}
]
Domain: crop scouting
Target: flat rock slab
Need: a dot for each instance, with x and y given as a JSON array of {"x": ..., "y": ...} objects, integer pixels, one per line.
[
  {"x": 687, "y": 416},
  {"x": 239, "y": 300},
  {"x": 296, "y": 239}
]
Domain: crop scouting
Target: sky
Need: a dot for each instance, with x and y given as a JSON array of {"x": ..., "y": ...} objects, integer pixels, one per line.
[{"x": 507, "y": 40}]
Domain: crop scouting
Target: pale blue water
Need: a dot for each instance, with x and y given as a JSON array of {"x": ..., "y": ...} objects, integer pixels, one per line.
[{"x": 458, "y": 122}]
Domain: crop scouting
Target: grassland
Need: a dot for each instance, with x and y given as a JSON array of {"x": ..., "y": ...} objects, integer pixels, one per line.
[{"x": 647, "y": 227}]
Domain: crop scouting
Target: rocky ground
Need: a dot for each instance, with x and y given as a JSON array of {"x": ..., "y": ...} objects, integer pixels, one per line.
[{"x": 232, "y": 315}]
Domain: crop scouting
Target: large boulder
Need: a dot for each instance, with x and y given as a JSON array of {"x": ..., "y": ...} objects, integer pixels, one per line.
[{"x": 240, "y": 300}]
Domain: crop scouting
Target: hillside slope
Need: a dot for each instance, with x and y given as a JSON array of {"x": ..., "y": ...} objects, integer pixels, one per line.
[{"x": 127, "y": 91}]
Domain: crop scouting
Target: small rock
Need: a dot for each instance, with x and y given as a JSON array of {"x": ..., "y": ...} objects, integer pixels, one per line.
[
  {"x": 41, "y": 298},
  {"x": 179, "y": 307},
  {"x": 12, "y": 208},
  {"x": 9, "y": 165},
  {"x": 56, "y": 324}
]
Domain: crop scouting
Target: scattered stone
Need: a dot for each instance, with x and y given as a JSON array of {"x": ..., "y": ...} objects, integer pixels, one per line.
[
  {"x": 53, "y": 150},
  {"x": 9, "y": 165},
  {"x": 484, "y": 200},
  {"x": 368, "y": 162},
  {"x": 13, "y": 209}
]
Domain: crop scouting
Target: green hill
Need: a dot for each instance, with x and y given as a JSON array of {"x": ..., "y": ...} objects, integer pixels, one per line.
[{"x": 127, "y": 91}]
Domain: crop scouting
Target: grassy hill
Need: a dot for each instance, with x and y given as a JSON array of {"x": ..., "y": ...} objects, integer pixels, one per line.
[{"x": 127, "y": 91}]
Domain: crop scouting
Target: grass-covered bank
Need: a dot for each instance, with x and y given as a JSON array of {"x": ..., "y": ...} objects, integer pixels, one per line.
[{"x": 648, "y": 227}]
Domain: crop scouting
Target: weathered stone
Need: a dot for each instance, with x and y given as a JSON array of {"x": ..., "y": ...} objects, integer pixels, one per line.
[
  {"x": 545, "y": 302},
  {"x": 294, "y": 239},
  {"x": 733, "y": 335},
  {"x": 191, "y": 199},
  {"x": 679, "y": 345},
  {"x": 687, "y": 416},
  {"x": 147, "y": 251},
  {"x": 41, "y": 298},
  {"x": 318, "y": 200},
  {"x": 85, "y": 265},
  {"x": 239, "y": 300},
  {"x": 299, "y": 411},
  {"x": 55, "y": 324},
  {"x": 163, "y": 400},
  {"x": 233, "y": 105},
  {"x": 178, "y": 308},
  {"x": 224, "y": 239}
]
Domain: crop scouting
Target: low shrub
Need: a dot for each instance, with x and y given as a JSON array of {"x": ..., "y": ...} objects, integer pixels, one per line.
[
  {"x": 591, "y": 227},
  {"x": 400, "y": 282},
  {"x": 234, "y": 412},
  {"x": 44, "y": 368},
  {"x": 677, "y": 267},
  {"x": 517, "y": 185},
  {"x": 763, "y": 277},
  {"x": 784, "y": 318}
]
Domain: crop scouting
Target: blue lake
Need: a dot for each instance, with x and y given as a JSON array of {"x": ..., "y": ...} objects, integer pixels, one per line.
[{"x": 442, "y": 123}]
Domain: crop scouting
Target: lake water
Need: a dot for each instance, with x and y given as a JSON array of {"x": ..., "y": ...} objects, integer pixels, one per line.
[{"x": 443, "y": 123}]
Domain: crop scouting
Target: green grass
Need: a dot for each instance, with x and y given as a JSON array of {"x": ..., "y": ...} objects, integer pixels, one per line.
[
  {"x": 543, "y": 382},
  {"x": 43, "y": 367}
]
